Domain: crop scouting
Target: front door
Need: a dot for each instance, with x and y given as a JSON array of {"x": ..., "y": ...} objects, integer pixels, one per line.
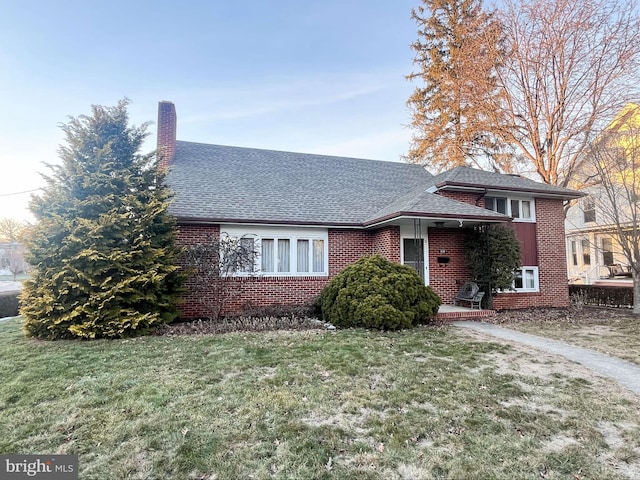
[{"x": 413, "y": 255}]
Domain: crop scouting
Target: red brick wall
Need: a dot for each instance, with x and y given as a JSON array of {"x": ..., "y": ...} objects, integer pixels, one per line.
[
  {"x": 346, "y": 246},
  {"x": 551, "y": 258},
  {"x": 474, "y": 198},
  {"x": 167, "y": 121},
  {"x": 190, "y": 235},
  {"x": 386, "y": 242},
  {"x": 446, "y": 278},
  {"x": 552, "y": 269}
]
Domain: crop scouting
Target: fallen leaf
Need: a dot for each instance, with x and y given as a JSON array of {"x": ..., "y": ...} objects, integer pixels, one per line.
[
  {"x": 380, "y": 447},
  {"x": 184, "y": 432}
]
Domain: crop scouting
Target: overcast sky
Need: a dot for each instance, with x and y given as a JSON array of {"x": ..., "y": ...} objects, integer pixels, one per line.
[{"x": 325, "y": 76}]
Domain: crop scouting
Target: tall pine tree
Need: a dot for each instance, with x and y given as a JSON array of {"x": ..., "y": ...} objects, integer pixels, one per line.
[
  {"x": 103, "y": 247},
  {"x": 456, "y": 55}
]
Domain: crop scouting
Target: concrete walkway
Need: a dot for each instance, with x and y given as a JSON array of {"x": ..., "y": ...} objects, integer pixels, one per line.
[{"x": 625, "y": 373}]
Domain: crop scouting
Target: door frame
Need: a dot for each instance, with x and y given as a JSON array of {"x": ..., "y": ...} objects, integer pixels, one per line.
[{"x": 425, "y": 252}]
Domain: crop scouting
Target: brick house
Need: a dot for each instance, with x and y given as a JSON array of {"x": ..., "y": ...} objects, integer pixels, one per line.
[{"x": 312, "y": 215}]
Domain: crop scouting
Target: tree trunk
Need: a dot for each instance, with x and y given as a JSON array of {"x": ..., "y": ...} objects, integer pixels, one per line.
[{"x": 636, "y": 294}]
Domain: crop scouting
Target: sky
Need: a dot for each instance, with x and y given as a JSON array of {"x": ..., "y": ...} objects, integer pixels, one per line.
[{"x": 313, "y": 76}]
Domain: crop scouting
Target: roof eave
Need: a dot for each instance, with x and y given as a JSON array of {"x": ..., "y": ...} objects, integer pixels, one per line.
[
  {"x": 186, "y": 220},
  {"x": 433, "y": 216},
  {"x": 470, "y": 187}
]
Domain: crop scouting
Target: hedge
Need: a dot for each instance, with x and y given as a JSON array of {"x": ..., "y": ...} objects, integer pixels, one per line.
[
  {"x": 9, "y": 304},
  {"x": 602, "y": 295}
]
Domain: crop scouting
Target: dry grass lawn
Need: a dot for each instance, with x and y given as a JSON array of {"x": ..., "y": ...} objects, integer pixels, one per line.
[{"x": 431, "y": 403}]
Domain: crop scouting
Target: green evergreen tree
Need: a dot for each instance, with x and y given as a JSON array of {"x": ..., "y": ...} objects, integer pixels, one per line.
[
  {"x": 103, "y": 248},
  {"x": 493, "y": 257},
  {"x": 456, "y": 54}
]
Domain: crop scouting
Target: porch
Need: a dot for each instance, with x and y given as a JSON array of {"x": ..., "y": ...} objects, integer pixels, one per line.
[
  {"x": 451, "y": 312},
  {"x": 614, "y": 275}
]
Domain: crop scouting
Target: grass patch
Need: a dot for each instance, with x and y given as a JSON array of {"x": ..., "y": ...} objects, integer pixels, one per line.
[
  {"x": 428, "y": 403},
  {"x": 597, "y": 329}
]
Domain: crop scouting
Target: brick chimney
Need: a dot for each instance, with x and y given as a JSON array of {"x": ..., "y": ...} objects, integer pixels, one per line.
[{"x": 167, "y": 120}]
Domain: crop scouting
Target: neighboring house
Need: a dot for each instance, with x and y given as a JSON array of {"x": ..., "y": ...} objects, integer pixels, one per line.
[
  {"x": 594, "y": 254},
  {"x": 12, "y": 260},
  {"x": 312, "y": 215}
]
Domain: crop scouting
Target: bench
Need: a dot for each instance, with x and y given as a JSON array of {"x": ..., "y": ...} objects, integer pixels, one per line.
[
  {"x": 617, "y": 270},
  {"x": 470, "y": 293}
]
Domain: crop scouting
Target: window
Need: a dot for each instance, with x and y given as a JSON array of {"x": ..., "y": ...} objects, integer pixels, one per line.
[
  {"x": 586, "y": 252},
  {"x": 497, "y": 204},
  {"x": 526, "y": 280},
  {"x": 247, "y": 247},
  {"x": 519, "y": 209},
  {"x": 607, "y": 251},
  {"x": 589, "y": 209},
  {"x": 286, "y": 251},
  {"x": 574, "y": 253}
]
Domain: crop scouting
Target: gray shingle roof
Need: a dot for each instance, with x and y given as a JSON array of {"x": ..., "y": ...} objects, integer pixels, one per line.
[
  {"x": 216, "y": 183},
  {"x": 419, "y": 202},
  {"x": 220, "y": 183},
  {"x": 471, "y": 177}
]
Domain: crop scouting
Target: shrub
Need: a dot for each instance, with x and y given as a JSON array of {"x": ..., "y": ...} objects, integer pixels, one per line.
[
  {"x": 603, "y": 295},
  {"x": 375, "y": 293},
  {"x": 9, "y": 304},
  {"x": 493, "y": 256}
]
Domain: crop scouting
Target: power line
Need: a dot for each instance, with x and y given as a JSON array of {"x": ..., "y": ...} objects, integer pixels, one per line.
[{"x": 19, "y": 193}]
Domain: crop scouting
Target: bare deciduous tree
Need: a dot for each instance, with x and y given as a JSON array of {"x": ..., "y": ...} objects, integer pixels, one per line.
[
  {"x": 15, "y": 261},
  {"x": 614, "y": 160},
  {"x": 568, "y": 66},
  {"x": 11, "y": 230},
  {"x": 212, "y": 265}
]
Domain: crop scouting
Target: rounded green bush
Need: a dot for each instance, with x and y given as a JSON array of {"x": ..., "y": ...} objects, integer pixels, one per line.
[{"x": 376, "y": 293}]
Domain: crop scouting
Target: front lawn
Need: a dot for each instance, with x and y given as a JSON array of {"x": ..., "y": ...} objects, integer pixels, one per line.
[{"x": 421, "y": 404}]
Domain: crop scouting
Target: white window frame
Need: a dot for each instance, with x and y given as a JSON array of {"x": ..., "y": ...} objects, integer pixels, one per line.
[
  {"x": 292, "y": 234},
  {"x": 536, "y": 282},
  {"x": 509, "y": 199},
  {"x": 588, "y": 204}
]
